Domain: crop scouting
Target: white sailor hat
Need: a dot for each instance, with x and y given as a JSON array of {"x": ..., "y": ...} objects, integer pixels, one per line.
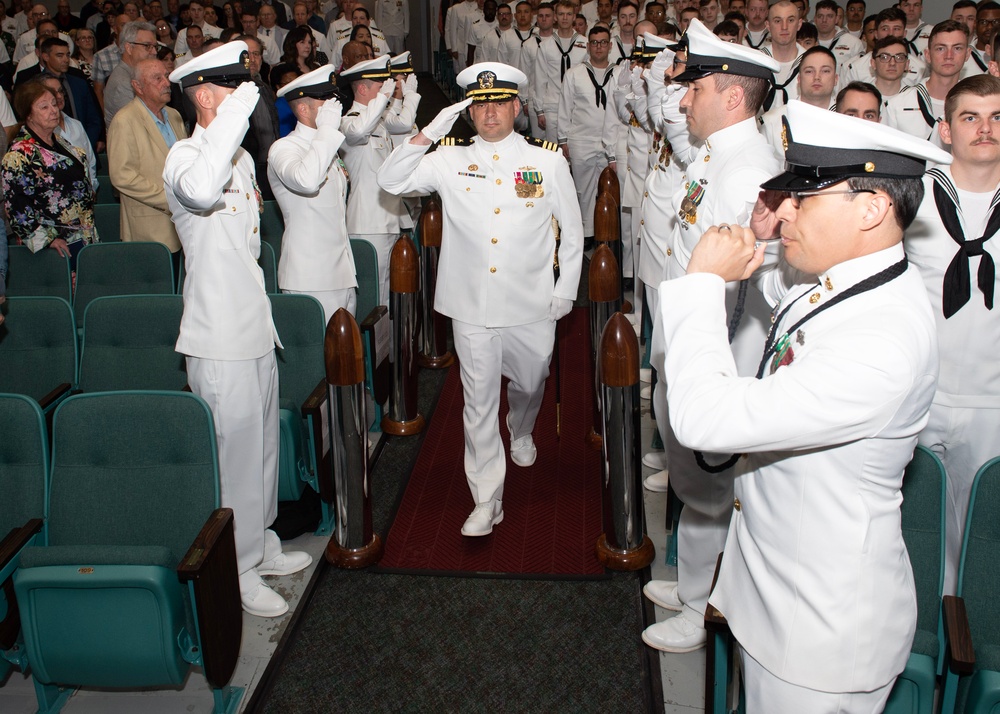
[
  {"x": 226, "y": 66},
  {"x": 650, "y": 46},
  {"x": 490, "y": 81},
  {"x": 829, "y": 147},
  {"x": 318, "y": 84},
  {"x": 707, "y": 54},
  {"x": 400, "y": 64},
  {"x": 375, "y": 69}
]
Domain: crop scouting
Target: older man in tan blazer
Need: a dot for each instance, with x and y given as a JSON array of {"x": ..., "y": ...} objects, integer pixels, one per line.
[{"x": 139, "y": 138}]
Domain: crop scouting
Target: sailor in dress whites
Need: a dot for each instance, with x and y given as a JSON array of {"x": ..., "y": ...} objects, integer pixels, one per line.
[
  {"x": 310, "y": 185},
  {"x": 226, "y": 331},
  {"x": 954, "y": 238},
  {"x": 373, "y": 214},
  {"x": 815, "y": 580},
  {"x": 500, "y": 194},
  {"x": 726, "y": 85}
]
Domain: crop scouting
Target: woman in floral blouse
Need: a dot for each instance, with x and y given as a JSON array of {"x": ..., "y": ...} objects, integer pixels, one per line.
[{"x": 47, "y": 190}]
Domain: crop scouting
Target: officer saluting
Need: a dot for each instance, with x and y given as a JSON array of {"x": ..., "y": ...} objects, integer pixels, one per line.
[
  {"x": 815, "y": 579},
  {"x": 226, "y": 330},
  {"x": 500, "y": 194}
]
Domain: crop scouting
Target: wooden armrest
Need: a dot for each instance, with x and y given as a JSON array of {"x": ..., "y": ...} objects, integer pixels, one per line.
[
  {"x": 210, "y": 566},
  {"x": 49, "y": 399},
  {"x": 312, "y": 408},
  {"x": 714, "y": 619},
  {"x": 14, "y": 542},
  {"x": 961, "y": 655}
]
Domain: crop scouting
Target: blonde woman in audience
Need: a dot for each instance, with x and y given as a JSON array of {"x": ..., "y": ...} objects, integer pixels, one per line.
[{"x": 86, "y": 44}]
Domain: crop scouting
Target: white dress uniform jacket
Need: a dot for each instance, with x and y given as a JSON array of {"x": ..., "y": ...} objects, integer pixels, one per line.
[
  {"x": 548, "y": 74},
  {"x": 815, "y": 581},
  {"x": 915, "y": 112},
  {"x": 496, "y": 271},
  {"x": 311, "y": 189},
  {"x": 844, "y": 46},
  {"x": 215, "y": 205}
]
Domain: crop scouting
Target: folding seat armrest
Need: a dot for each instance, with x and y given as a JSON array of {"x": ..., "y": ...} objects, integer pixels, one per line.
[
  {"x": 49, "y": 399},
  {"x": 14, "y": 542},
  {"x": 312, "y": 410},
  {"x": 961, "y": 655},
  {"x": 210, "y": 568}
]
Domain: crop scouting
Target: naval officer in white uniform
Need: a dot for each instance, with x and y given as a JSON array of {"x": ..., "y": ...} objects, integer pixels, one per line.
[
  {"x": 500, "y": 194},
  {"x": 815, "y": 580},
  {"x": 310, "y": 185},
  {"x": 226, "y": 332}
]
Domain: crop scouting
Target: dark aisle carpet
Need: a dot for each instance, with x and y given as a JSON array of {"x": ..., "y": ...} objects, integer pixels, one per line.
[{"x": 552, "y": 509}]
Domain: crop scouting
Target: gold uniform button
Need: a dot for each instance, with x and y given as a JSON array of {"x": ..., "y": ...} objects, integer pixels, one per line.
[
  {"x": 248, "y": 196},
  {"x": 234, "y": 209},
  {"x": 642, "y": 222},
  {"x": 254, "y": 230},
  {"x": 737, "y": 505},
  {"x": 496, "y": 210},
  {"x": 645, "y": 194},
  {"x": 669, "y": 252},
  {"x": 814, "y": 298},
  {"x": 493, "y": 241},
  {"x": 499, "y": 182},
  {"x": 468, "y": 188},
  {"x": 496, "y": 157},
  {"x": 493, "y": 270}
]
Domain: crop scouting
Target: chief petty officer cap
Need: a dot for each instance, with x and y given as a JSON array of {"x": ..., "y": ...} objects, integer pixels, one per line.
[
  {"x": 490, "y": 81},
  {"x": 400, "y": 64},
  {"x": 318, "y": 84},
  {"x": 226, "y": 66},
  {"x": 823, "y": 148},
  {"x": 375, "y": 69},
  {"x": 650, "y": 46},
  {"x": 707, "y": 54}
]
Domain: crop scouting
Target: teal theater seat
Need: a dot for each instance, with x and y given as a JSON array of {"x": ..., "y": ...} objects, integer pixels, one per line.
[
  {"x": 128, "y": 343},
  {"x": 272, "y": 226},
  {"x": 24, "y": 465},
  {"x": 38, "y": 349},
  {"x": 107, "y": 219},
  {"x": 136, "y": 582},
  {"x": 303, "y": 391},
  {"x": 972, "y": 619},
  {"x": 268, "y": 262},
  {"x": 41, "y": 274},
  {"x": 121, "y": 269},
  {"x": 366, "y": 267}
]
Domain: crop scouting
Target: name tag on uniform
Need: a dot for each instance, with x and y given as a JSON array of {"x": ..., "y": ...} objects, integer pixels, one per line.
[{"x": 528, "y": 184}]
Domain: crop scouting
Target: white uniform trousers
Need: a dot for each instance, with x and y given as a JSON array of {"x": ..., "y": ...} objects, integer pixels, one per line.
[
  {"x": 767, "y": 694},
  {"x": 397, "y": 44},
  {"x": 243, "y": 397},
  {"x": 586, "y": 163},
  {"x": 536, "y": 131},
  {"x": 964, "y": 439},
  {"x": 660, "y": 390},
  {"x": 522, "y": 354},
  {"x": 383, "y": 243},
  {"x": 630, "y": 248},
  {"x": 332, "y": 300}
]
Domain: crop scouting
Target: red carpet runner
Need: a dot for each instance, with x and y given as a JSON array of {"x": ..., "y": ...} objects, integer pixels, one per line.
[{"x": 552, "y": 510}]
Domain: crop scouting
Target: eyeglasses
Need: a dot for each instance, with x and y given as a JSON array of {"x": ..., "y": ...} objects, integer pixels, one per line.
[
  {"x": 886, "y": 58},
  {"x": 600, "y": 43},
  {"x": 799, "y": 196},
  {"x": 147, "y": 45},
  {"x": 988, "y": 22}
]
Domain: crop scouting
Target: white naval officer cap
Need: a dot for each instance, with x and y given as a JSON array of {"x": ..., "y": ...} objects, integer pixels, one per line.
[
  {"x": 823, "y": 148},
  {"x": 650, "y": 46},
  {"x": 375, "y": 69},
  {"x": 227, "y": 66},
  {"x": 319, "y": 84},
  {"x": 490, "y": 81},
  {"x": 707, "y": 54},
  {"x": 400, "y": 64}
]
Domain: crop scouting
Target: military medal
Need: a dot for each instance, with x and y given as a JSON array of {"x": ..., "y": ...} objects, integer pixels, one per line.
[
  {"x": 528, "y": 184},
  {"x": 783, "y": 353},
  {"x": 691, "y": 201}
]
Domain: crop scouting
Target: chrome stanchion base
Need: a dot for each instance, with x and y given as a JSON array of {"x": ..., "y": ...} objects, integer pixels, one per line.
[
  {"x": 437, "y": 361},
  {"x": 634, "y": 559},
  {"x": 403, "y": 428},
  {"x": 354, "y": 558}
]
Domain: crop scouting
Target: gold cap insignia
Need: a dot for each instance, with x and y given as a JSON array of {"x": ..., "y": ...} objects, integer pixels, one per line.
[
  {"x": 486, "y": 80},
  {"x": 473, "y": 167},
  {"x": 784, "y": 136},
  {"x": 869, "y": 167}
]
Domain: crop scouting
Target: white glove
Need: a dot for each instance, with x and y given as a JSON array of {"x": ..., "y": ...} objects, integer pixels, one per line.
[
  {"x": 559, "y": 308},
  {"x": 410, "y": 85},
  {"x": 329, "y": 114},
  {"x": 243, "y": 100},
  {"x": 388, "y": 87},
  {"x": 663, "y": 62},
  {"x": 624, "y": 78},
  {"x": 638, "y": 83},
  {"x": 442, "y": 123}
]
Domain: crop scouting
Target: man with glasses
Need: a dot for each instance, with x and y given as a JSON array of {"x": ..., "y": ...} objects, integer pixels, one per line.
[
  {"x": 889, "y": 64},
  {"x": 500, "y": 195},
  {"x": 987, "y": 23},
  {"x": 890, "y": 22},
  {"x": 26, "y": 44},
  {"x": 918, "y": 110},
  {"x": 138, "y": 43},
  {"x": 582, "y": 108},
  {"x": 826, "y": 423}
]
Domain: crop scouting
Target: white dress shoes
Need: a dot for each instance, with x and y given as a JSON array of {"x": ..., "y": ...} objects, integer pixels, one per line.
[
  {"x": 646, "y": 392},
  {"x": 664, "y": 594},
  {"x": 481, "y": 521},
  {"x": 522, "y": 449},
  {"x": 658, "y": 482},
  {"x": 258, "y": 599},
  {"x": 291, "y": 561},
  {"x": 645, "y": 375},
  {"x": 678, "y": 634},
  {"x": 655, "y": 460}
]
